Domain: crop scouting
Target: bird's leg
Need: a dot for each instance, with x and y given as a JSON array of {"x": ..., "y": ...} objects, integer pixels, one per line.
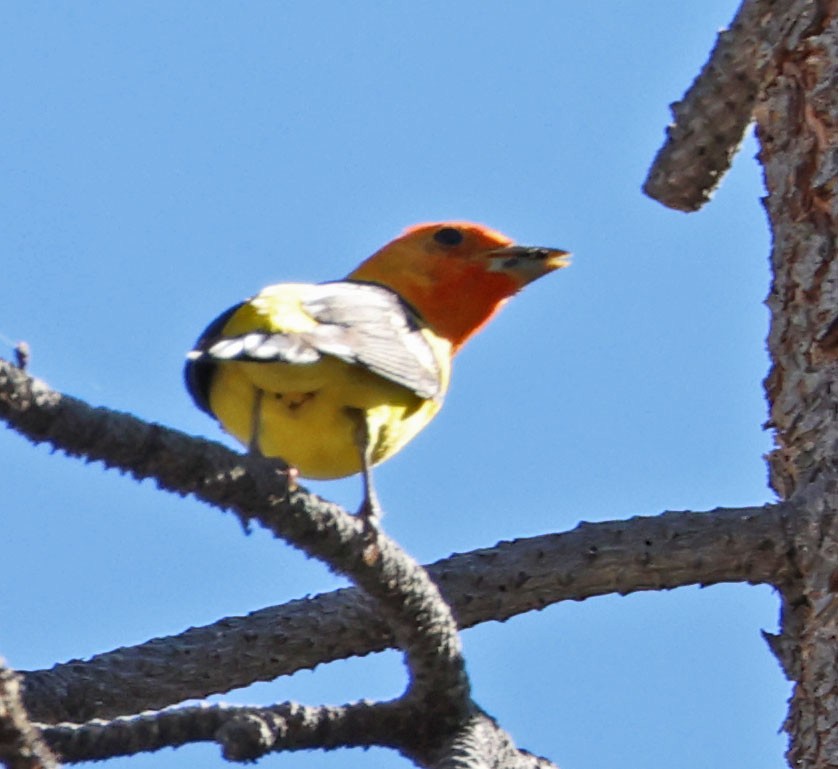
[
  {"x": 370, "y": 510},
  {"x": 253, "y": 447},
  {"x": 255, "y": 422}
]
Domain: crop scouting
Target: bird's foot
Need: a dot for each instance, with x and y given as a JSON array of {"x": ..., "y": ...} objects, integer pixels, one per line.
[{"x": 370, "y": 513}]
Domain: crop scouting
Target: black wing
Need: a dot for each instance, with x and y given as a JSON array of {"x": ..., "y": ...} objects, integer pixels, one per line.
[{"x": 199, "y": 368}]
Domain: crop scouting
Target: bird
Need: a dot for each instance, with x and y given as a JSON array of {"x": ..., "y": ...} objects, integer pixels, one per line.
[{"x": 336, "y": 377}]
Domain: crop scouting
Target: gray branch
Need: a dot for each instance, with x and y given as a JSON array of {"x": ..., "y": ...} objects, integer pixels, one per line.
[
  {"x": 21, "y": 746},
  {"x": 710, "y": 121},
  {"x": 437, "y": 701},
  {"x": 644, "y": 553},
  {"x": 254, "y": 490},
  {"x": 246, "y": 733}
]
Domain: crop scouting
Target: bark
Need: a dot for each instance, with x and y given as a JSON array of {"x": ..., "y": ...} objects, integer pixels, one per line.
[
  {"x": 793, "y": 47},
  {"x": 644, "y": 553},
  {"x": 710, "y": 121},
  {"x": 21, "y": 746},
  {"x": 436, "y": 706},
  {"x": 796, "y": 128}
]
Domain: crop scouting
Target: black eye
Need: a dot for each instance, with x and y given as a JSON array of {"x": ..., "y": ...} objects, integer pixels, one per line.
[{"x": 448, "y": 236}]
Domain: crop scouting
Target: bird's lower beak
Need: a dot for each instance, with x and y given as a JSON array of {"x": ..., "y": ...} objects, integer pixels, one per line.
[{"x": 527, "y": 263}]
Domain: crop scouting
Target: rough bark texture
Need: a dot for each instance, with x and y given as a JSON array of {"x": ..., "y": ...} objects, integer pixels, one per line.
[
  {"x": 643, "y": 553},
  {"x": 21, "y": 746},
  {"x": 710, "y": 121},
  {"x": 436, "y": 706},
  {"x": 797, "y": 126}
]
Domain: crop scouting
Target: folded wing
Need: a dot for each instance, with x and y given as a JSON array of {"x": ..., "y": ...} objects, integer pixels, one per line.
[{"x": 363, "y": 324}]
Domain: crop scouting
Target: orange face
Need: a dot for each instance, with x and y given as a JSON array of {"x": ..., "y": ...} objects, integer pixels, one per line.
[{"x": 457, "y": 274}]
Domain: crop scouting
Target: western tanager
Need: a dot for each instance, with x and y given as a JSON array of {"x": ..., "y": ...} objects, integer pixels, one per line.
[{"x": 337, "y": 377}]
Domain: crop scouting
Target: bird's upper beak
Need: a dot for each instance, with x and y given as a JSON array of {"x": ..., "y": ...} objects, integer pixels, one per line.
[{"x": 527, "y": 263}]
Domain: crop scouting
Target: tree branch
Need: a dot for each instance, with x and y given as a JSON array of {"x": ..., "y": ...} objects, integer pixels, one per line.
[
  {"x": 21, "y": 746},
  {"x": 246, "y": 733},
  {"x": 710, "y": 121},
  {"x": 481, "y": 737},
  {"x": 252, "y": 488},
  {"x": 644, "y": 553},
  {"x": 438, "y": 694},
  {"x": 673, "y": 549}
]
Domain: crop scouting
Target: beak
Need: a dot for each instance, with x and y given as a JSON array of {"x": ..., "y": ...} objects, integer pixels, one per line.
[{"x": 527, "y": 263}]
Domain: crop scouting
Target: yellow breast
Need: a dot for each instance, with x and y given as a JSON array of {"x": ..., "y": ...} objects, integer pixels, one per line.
[{"x": 300, "y": 411}]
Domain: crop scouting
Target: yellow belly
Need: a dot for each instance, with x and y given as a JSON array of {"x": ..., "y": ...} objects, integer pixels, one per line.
[{"x": 302, "y": 414}]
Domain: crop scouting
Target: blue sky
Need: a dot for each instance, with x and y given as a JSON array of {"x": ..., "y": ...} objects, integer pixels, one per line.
[{"x": 161, "y": 161}]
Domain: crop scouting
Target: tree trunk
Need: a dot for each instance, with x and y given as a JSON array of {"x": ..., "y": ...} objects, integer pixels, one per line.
[{"x": 797, "y": 117}]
